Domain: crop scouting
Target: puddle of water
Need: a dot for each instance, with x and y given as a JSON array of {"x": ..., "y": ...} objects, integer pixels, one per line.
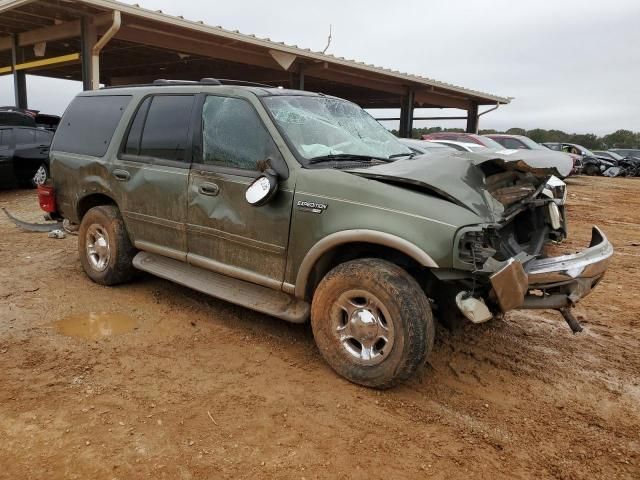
[{"x": 95, "y": 326}]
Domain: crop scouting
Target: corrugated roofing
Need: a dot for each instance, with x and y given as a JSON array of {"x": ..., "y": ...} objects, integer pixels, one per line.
[{"x": 267, "y": 43}]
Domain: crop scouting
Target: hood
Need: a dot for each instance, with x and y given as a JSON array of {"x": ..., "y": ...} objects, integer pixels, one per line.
[
  {"x": 485, "y": 183},
  {"x": 547, "y": 159}
]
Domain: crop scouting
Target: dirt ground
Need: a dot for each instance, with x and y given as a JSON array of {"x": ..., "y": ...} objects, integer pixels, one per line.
[{"x": 203, "y": 389}]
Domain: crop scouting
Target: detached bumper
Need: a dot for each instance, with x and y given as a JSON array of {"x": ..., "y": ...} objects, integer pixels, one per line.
[{"x": 555, "y": 282}]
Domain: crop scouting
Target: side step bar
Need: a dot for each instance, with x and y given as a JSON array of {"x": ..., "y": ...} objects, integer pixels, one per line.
[{"x": 250, "y": 295}]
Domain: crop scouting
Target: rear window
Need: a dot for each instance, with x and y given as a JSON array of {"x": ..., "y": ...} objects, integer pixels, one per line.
[{"x": 88, "y": 124}]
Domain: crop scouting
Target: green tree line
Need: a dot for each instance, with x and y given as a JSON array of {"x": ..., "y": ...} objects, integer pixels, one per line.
[{"x": 617, "y": 139}]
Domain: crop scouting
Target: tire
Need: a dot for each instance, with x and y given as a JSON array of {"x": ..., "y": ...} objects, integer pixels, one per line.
[
  {"x": 103, "y": 233},
  {"x": 389, "y": 331},
  {"x": 591, "y": 170},
  {"x": 448, "y": 313}
]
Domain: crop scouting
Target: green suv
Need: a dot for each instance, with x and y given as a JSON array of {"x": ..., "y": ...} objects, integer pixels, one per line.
[{"x": 301, "y": 206}]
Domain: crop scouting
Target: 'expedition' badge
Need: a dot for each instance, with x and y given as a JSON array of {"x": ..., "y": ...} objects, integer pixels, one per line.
[{"x": 312, "y": 207}]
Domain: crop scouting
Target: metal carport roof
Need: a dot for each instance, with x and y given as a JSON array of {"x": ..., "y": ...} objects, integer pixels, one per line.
[{"x": 56, "y": 38}]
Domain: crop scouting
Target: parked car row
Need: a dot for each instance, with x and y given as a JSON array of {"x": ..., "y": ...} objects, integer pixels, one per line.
[
  {"x": 25, "y": 138},
  {"x": 535, "y": 155},
  {"x": 611, "y": 163}
]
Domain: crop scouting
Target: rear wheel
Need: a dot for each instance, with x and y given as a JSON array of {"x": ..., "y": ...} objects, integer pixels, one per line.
[
  {"x": 372, "y": 322},
  {"x": 104, "y": 247}
]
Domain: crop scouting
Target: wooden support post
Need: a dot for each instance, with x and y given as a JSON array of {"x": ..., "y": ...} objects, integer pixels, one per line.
[
  {"x": 301, "y": 77},
  {"x": 88, "y": 38},
  {"x": 472, "y": 118},
  {"x": 406, "y": 114},
  {"x": 19, "y": 77}
]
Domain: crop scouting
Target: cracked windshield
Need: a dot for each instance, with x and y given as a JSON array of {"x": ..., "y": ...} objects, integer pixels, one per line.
[{"x": 322, "y": 128}]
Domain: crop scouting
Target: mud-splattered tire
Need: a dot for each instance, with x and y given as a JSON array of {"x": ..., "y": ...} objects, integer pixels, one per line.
[
  {"x": 104, "y": 247},
  {"x": 372, "y": 322}
]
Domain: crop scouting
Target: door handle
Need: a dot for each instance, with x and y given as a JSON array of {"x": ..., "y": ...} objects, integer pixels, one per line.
[
  {"x": 121, "y": 175},
  {"x": 210, "y": 189}
]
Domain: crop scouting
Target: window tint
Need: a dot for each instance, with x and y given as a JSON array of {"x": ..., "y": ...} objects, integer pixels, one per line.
[
  {"x": 43, "y": 137},
  {"x": 25, "y": 135},
  {"x": 88, "y": 124},
  {"x": 511, "y": 143},
  {"x": 166, "y": 131},
  {"x": 5, "y": 137},
  {"x": 132, "y": 147},
  {"x": 233, "y": 135}
]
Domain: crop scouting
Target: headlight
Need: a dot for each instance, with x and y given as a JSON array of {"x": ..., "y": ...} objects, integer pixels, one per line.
[
  {"x": 556, "y": 189},
  {"x": 474, "y": 248}
]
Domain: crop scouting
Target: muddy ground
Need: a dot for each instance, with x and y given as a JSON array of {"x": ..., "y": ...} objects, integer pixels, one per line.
[{"x": 204, "y": 389}]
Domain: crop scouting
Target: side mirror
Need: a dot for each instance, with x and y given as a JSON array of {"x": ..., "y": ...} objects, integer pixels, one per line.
[{"x": 262, "y": 189}]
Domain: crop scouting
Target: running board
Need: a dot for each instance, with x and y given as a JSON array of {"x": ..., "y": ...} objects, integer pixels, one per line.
[{"x": 233, "y": 290}]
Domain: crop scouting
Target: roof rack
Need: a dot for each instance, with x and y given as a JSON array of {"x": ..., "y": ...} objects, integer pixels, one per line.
[{"x": 202, "y": 81}]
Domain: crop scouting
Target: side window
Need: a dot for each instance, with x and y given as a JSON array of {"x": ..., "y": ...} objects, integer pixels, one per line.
[
  {"x": 233, "y": 134},
  {"x": 132, "y": 147},
  {"x": 166, "y": 130},
  {"x": 25, "y": 135},
  {"x": 88, "y": 124},
  {"x": 512, "y": 143},
  {"x": 5, "y": 138},
  {"x": 43, "y": 137}
]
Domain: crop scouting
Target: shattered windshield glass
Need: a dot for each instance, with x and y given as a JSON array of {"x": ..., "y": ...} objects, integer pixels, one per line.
[{"x": 318, "y": 127}]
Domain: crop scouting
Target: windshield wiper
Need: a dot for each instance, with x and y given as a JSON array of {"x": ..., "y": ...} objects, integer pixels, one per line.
[
  {"x": 344, "y": 156},
  {"x": 398, "y": 155}
]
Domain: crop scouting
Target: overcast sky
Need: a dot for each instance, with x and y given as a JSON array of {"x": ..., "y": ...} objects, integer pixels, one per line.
[{"x": 573, "y": 65}]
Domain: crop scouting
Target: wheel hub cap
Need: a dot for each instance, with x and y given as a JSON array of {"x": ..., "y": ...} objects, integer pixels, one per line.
[
  {"x": 363, "y": 327},
  {"x": 97, "y": 247}
]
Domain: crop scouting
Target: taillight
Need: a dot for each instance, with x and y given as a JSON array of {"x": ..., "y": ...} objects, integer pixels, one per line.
[{"x": 47, "y": 198}]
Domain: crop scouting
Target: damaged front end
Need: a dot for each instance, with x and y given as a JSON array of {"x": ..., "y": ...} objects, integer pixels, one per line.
[{"x": 506, "y": 260}]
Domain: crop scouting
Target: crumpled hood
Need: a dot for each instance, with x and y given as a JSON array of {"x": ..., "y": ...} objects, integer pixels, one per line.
[{"x": 461, "y": 177}]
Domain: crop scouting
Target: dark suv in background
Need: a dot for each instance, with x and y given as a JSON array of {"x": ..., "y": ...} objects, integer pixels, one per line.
[{"x": 24, "y": 156}]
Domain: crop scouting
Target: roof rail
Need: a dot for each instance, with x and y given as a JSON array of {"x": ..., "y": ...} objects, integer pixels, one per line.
[{"x": 203, "y": 81}]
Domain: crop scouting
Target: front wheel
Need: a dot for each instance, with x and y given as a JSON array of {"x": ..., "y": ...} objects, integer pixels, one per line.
[{"x": 372, "y": 322}]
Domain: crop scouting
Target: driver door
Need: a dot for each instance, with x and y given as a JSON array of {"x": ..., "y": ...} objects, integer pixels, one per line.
[{"x": 225, "y": 233}]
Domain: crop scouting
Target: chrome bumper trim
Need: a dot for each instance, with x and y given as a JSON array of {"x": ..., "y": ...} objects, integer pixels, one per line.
[
  {"x": 564, "y": 279},
  {"x": 590, "y": 263}
]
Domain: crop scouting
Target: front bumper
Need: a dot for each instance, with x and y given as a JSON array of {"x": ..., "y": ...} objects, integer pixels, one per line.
[{"x": 555, "y": 282}]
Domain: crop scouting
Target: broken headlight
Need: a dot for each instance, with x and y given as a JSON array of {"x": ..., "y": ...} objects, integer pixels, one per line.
[
  {"x": 556, "y": 189},
  {"x": 474, "y": 248}
]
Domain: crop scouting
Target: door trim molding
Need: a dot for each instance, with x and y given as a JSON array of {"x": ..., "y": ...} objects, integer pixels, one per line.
[
  {"x": 247, "y": 242},
  {"x": 160, "y": 250},
  {"x": 231, "y": 271}
]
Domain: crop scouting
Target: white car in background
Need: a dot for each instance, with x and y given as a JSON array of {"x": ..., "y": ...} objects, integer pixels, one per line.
[
  {"x": 536, "y": 159},
  {"x": 422, "y": 147},
  {"x": 474, "y": 147}
]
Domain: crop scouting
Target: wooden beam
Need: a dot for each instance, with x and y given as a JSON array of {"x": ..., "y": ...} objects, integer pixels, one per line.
[
  {"x": 45, "y": 62},
  {"x": 356, "y": 79},
  {"x": 432, "y": 99},
  {"x": 141, "y": 34},
  {"x": 53, "y": 32}
]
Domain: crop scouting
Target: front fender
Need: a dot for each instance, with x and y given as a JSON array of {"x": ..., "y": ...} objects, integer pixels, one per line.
[{"x": 352, "y": 236}]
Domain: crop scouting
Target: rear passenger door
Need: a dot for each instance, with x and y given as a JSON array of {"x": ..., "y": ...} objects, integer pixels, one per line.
[
  {"x": 151, "y": 174},
  {"x": 224, "y": 232}
]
